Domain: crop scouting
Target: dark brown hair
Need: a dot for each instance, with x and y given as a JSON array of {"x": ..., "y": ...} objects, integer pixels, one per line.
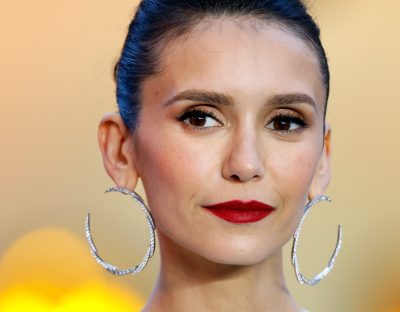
[{"x": 157, "y": 21}]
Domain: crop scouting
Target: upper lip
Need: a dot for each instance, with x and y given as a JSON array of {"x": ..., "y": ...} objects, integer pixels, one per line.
[{"x": 240, "y": 205}]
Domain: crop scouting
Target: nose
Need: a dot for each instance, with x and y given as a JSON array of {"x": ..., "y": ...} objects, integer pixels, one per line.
[{"x": 243, "y": 162}]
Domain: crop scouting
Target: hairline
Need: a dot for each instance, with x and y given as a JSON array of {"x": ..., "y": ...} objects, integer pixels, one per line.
[{"x": 180, "y": 34}]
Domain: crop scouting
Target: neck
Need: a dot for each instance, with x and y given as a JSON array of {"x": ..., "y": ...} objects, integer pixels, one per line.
[{"x": 189, "y": 282}]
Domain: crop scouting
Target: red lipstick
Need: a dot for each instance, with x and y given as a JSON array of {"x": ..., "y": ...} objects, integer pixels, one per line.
[{"x": 238, "y": 211}]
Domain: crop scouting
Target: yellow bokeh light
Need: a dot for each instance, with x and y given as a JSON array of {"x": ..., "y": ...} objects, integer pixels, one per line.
[
  {"x": 93, "y": 296},
  {"x": 52, "y": 270}
]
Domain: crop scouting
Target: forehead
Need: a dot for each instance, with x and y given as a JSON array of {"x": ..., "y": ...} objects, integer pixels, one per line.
[{"x": 242, "y": 58}]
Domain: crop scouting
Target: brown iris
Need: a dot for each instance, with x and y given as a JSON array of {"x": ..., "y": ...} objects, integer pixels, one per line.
[
  {"x": 198, "y": 120},
  {"x": 282, "y": 124}
]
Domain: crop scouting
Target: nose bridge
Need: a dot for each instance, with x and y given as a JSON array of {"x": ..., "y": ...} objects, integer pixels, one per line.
[{"x": 244, "y": 161}]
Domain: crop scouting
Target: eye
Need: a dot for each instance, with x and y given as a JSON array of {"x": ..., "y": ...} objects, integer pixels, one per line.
[
  {"x": 286, "y": 123},
  {"x": 199, "y": 118}
]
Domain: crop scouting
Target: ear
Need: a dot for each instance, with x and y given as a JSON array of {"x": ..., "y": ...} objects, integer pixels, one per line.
[
  {"x": 322, "y": 175},
  {"x": 118, "y": 151}
]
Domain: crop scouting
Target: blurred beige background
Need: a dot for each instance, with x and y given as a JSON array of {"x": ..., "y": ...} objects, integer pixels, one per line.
[{"x": 56, "y": 83}]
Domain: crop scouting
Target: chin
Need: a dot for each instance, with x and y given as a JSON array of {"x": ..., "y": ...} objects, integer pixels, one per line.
[
  {"x": 238, "y": 254},
  {"x": 236, "y": 259},
  {"x": 230, "y": 248}
]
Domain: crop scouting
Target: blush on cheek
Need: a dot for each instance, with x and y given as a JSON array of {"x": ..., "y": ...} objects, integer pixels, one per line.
[
  {"x": 293, "y": 172},
  {"x": 169, "y": 167},
  {"x": 306, "y": 171}
]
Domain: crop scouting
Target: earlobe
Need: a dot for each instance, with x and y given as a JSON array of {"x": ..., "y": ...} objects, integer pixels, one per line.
[
  {"x": 116, "y": 146},
  {"x": 323, "y": 172}
]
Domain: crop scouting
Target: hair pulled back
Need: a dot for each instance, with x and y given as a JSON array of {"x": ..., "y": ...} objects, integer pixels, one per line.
[{"x": 158, "y": 21}]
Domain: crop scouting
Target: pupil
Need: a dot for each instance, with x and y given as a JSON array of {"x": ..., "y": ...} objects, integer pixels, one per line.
[
  {"x": 282, "y": 124},
  {"x": 198, "y": 121}
]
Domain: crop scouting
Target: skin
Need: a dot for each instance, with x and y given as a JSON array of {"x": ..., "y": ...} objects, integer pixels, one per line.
[{"x": 207, "y": 263}]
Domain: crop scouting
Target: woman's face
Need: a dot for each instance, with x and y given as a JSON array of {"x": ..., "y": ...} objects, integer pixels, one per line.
[{"x": 236, "y": 114}]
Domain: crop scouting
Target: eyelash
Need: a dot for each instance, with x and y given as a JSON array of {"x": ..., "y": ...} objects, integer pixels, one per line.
[
  {"x": 197, "y": 112},
  {"x": 289, "y": 117},
  {"x": 201, "y": 112}
]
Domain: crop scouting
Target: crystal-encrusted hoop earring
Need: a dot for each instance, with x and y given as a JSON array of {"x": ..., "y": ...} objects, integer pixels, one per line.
[
  {"x": 317, "y": 278},
  {"x": 150, "y": 251}
]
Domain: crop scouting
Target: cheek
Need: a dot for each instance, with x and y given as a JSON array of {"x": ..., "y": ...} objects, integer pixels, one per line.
[
  {"x": 173, "y": 171},
  {"x": 173, "y": 164},
  {"x": 175, "y": 175},
  {"x": 297, "y": 169},
  {"x": 293, "y": 170}
]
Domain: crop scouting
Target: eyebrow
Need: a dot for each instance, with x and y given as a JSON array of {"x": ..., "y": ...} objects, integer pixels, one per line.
[
  {"x": 216, "y": 98},
  {"x": 291, "y": 98},
  {"x": 207, "y": 97}
]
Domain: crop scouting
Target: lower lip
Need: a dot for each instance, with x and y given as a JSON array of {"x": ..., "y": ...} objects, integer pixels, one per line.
[{"x": 240, "y": 216}]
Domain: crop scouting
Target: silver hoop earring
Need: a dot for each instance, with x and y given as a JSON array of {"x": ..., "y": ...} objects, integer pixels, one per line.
[
  {"x": 150, "y": 251},
  {"x": 317, "y": 278}
]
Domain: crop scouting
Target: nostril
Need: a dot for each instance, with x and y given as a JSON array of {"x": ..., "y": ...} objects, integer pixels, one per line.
[{"x": 235, "y": 177}]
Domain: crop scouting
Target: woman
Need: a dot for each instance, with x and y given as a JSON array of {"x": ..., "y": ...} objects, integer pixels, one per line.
[{"x": 222, "y": 115}]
